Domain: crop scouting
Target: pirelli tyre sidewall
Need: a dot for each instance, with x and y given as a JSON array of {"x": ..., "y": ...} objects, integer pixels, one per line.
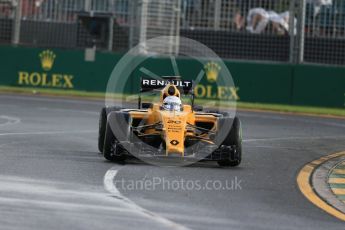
[
  {"x": 223, "y": 130},
  {"x": 233, "y": 138},
  {"x": 102, "y": 124},
  {"x": 109, "y": 140},
  {"x": 120, "y": 123},
  {"x": 112, "y": 149},
  {"x": 236, "y": 140}
]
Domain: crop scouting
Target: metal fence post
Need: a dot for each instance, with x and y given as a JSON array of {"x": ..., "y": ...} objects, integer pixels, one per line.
[
  {"x": 111, "y": 25},
  {"x": 301, "y": 30},
  {"x": 17, "y": 23},
  {"x": 87, "y": 5},
  {"x": 131, "y": 21},
  {"x": 217, "y": 9},
  {"x": 292, "y": 10},
  {"x": 143, "y": 25},
  {"x": 178, "y": 18},
  {"x": 111, "y": 33}
]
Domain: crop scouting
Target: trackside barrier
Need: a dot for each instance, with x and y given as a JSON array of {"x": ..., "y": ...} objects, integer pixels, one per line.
[{"x": 255, "y": 82}]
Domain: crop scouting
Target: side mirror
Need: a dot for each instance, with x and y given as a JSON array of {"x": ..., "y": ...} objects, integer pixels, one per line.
[
  {"x": 146, "y": 105},
  {"x": 198, "y": 108}
]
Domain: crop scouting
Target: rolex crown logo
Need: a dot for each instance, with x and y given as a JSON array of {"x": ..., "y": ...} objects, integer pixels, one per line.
[
  {"x": 47, "y": 59},
  {"x": 212, "y": 70}
]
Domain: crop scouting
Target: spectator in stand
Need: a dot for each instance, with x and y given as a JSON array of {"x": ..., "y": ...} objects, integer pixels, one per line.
[
  {"x": 30, "y": 8},
  {"x": 259, "y": 18},
  {"x": 317, "y": 4},
  {"x": 244, "y": 6},
  {"x": 191, "y": 11},
  {"x": 6, "y": 9},
  {"x": 319, "y": 16},
  {"x": 280, "y": 23},
  {"x": 122, "y": 9}
]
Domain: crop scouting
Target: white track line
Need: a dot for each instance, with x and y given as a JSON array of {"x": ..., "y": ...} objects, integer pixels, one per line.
[
  {"x": 10, "y": 120},
  {"x": 111, "y": 188},
  {"x": 47, "y": 133},
  {"x": 287, "y": 117},
  {"x": 47, "y": 99}
]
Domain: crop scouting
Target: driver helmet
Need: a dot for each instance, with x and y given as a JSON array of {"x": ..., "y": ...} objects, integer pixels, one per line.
[{"x": 172, "y": 103}]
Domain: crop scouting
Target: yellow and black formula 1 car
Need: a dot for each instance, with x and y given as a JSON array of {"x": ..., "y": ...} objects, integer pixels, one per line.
[{"x": 170, "y": 129}]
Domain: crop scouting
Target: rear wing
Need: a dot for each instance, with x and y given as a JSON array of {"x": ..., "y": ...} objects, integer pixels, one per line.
[{"x": 185, "y": 86}]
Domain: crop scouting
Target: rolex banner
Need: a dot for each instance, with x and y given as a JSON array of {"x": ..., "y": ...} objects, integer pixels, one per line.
[
  {"x": 45, "y": 77},
  {"x": 54, "y": 69},
  {"x": 254, "y": 82}
]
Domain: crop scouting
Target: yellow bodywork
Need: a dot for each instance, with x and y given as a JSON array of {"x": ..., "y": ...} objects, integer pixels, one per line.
[{"x": 175, "y": 125}]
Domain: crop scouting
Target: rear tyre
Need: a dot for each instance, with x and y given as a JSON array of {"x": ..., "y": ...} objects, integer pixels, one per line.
[{"x": 234, "y": 138}]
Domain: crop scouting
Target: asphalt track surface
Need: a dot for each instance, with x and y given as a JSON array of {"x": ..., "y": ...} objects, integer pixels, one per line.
[{"x": 51, "y": 176}]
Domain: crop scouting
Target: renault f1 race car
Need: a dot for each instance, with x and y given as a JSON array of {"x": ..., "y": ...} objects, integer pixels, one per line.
[{"x": 168, "y": 129}]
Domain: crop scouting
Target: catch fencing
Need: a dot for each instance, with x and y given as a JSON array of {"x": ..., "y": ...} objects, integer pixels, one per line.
[{"x": 289, "y": 31}]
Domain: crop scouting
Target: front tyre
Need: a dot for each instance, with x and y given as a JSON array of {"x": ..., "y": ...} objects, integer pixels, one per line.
[
  {"x": 101, "y": 130},
  {"x": 112, "y": 151},
  {"x": 234, "y": 138},
  {"x": 102, "y": 125}
]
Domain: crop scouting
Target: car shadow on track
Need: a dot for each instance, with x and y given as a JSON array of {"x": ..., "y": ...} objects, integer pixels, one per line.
[{"x": 138, "y": 162}]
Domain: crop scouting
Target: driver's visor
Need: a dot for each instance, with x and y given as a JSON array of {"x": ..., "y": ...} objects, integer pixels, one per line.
[{"x": 172, "y": 106}]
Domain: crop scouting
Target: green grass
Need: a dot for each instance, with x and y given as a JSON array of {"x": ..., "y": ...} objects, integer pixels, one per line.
[
  {"x": 51, "y": 92},
  {"x": 294, "y": 109},
  {"x": 241, "y": 105}
]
